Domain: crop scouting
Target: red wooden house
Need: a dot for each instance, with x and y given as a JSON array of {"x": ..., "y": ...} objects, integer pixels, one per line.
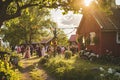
[
  {"x": 72, "y": 40},
  {"x": 99, "y": 31}
]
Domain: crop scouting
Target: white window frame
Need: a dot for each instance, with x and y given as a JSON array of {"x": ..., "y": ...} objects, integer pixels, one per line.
[{"x": 117, "y": 38}]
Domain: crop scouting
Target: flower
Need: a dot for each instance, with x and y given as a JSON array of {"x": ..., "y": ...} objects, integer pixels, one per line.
[
  {"x": 117, "y": 74},
  {"x": 92, "y": 54},
  {"x": 101, "y": 75},
  {"x": 97, "y": 56},
  {"x": 110, "y": 70},
  {"x": 87, "y": 53},
  {"x": 102, "y": 69}
]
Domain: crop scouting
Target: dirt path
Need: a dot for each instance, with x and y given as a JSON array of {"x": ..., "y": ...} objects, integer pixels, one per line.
[{"x": 29, "y": 66}]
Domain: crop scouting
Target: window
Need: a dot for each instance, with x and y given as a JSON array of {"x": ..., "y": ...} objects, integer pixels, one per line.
[
  {"x": 118, "y": 37},
  {"x": 92, "y": 36}
]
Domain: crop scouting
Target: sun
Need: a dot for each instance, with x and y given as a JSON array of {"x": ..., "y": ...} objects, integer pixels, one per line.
[{"x": 87, "y": 2}]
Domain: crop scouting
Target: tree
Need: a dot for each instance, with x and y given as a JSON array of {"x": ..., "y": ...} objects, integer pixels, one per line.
[
  {"x": 62, "y": 38},
  {"x": 30, "y": 27},
  {"x": 10, "y": 9}
]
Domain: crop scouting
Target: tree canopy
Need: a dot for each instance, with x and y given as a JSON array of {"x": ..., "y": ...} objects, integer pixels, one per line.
[
  {"x": 10, "y": 9},
  {"x": 29, "y": 27}
]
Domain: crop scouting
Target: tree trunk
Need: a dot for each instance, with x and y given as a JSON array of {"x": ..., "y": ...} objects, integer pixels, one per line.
[{"x": 30, "y": 37}]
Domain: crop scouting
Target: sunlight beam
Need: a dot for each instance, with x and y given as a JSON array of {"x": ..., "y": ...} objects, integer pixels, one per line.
[{"x": 87, "y": 2}]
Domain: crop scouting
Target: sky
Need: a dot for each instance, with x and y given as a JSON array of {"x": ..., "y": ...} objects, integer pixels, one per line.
[
  {"x": 66, "y": 22},
  {"x": 118, "y": 2},
  {"x": 69, "y": 20}
]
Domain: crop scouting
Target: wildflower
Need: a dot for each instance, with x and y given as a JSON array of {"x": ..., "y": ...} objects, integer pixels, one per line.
[
  {"x": 102, "y": 75},
  {"x": 110, "y": 70},
  {"x": 101, "y": 69},
  {"x": 87, "y": 53},
  {"x": 97, "y": 56},
  {"x": 92, "y": 55},
  {"x": 117, "y": 74}
]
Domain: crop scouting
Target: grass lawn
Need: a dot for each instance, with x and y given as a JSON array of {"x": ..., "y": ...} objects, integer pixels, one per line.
[{"x": 79, "y": 69}]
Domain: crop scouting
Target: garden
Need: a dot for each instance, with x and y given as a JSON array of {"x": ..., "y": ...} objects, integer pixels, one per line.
[
  {"x": 24, "y": 22},
  {"x": 76, "y": 67},
  {"x": 80, "y": 66}
]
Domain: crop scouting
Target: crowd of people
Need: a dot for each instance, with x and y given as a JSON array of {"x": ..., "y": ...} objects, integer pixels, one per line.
[{"x": 39, "y": 50}]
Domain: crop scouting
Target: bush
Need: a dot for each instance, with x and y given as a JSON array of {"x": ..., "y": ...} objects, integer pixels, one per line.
[
  {"x": 44, "y": 60},
  {"x": 14, "y": 59},
  {"x": 58, "y": 67},
  {"x": 74, "y": 69},
  {"x": 88, "y": 55},
  {"x": 64, "y": 70},
  {"x": 6, "y": 73},
  {"x": 68, "y": 54}
]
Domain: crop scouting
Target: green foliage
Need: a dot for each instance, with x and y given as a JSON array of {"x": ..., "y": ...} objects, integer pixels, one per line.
[
  {"x": 61, "y": 38},
  {"x": 13, "y": 8},
  {"x": 43, "y": 60},
  {"x": 4, "y": 53},
  {"x": 30, "y": 27},
  {"x": 37, "y": 74},
  {"x": 77, "y": 69},
  {"x": 14, "y": 59},
  {"x": 68, "y": 54},
  {"x": 3, "y": 49},
  {"x": 6, "y": 73},
  {"x": 108, "y": 58},
  {"x": 58, "y": 67},
  {"x": 106, "y": 6}
]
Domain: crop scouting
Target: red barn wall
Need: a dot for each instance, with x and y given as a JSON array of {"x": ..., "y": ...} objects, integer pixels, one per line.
[
  {"x": 88, "y": 25},
  {"x": 107, "y": 40},
  {"x": 109, "y": 43}
]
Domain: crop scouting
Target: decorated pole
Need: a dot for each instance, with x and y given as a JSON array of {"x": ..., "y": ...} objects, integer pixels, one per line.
[{"x": 54, "y": 41}]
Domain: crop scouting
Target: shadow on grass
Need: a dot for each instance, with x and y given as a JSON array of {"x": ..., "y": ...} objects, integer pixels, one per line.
[
  {"x": 33, "y": 58},
  {"x": 27, "y": 69}
]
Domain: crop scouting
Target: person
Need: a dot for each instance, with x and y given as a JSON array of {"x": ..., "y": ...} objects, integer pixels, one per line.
[
  {"x": 43, "y": 50},
  {"x": 58, "y": 49},
  {"x": 18, "y": 49},
  {"x": 38, "y": 51},
  {"x": 22, "y": 49},
  {"x": 50, "y": 51},
  {"x": 62, "y": 49},
  {"x": 13, "y": 48},
  {"x": 27, "y": 52},
  {"x": 31, "y": 49}
]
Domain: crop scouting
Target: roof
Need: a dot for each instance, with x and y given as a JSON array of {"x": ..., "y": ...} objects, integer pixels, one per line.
[
  {"x": 107, "y": 22},
  {"x": 46, "y": 40},
  {"x": 72, "y": 38},
  {"x": 116, "y": 17}
]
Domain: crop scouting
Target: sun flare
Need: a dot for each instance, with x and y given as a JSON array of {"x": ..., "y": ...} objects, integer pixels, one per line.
[{"x": 87, "y": 2}]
